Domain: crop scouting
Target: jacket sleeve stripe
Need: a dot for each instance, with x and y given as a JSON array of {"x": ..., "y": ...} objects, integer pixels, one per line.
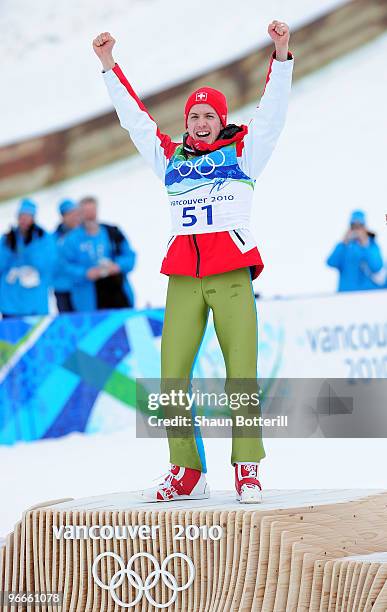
[
  {"x": 165, "y": 141},
  {"x": 156, "y": 148}
]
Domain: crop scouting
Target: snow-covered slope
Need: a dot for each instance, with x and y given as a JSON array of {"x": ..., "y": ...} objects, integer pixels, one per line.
[
  {"x": 330, "y": 159},
  {"x": 50, "y": 74}
]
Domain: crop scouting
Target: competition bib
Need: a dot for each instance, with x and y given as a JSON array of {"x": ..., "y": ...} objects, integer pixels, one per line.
[{"x": 209, "y": 193}]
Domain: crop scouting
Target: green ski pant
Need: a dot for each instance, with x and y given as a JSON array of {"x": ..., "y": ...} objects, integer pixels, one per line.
[{"x": 230, "y": 297}]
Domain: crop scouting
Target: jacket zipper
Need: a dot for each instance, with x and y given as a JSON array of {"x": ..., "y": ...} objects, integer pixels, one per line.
[
  {"x": 197, "y": 254},
  {"x": 239, "y": 237}
]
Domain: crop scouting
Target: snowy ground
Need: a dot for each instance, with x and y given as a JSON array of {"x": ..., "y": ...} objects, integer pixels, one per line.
[
  {"x": 330, "y": 160},
  {"x": 45, "y": 40},
  {"x": 81, "y": 466}
]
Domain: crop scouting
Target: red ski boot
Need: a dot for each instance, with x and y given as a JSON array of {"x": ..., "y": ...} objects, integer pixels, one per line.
[
  {"x": 247, "y": 485},
  {"x": 178, "y": 484}
]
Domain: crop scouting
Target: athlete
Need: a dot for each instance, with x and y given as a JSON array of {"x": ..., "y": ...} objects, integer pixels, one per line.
[{"x": 212, "y": 256}]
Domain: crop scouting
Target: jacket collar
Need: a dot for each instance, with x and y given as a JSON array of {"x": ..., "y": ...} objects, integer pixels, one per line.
[{"x": 231, "y": 133}]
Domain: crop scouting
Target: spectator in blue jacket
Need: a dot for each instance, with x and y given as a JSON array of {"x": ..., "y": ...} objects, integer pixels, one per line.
[
  {"x": 27, "y": 257},
  {"x": 358, "y": 257},
  {"x": 71, "y": 219},
  {"x": 98, "y": 258}
]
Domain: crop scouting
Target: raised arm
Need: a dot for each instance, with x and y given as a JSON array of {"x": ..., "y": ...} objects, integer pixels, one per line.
[
  {"x": 155, "y": 147},
  {"x": 269, "y": 117}
]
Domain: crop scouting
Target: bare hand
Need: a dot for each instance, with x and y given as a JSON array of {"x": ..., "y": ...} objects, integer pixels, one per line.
[
  {"x": 103, "y": 47},
  {"x": 348, "y": 236},
  {"x": 279, "y": 32},
  {"x": 114, "y": 268},
  {"x": 94, "y": 274}
]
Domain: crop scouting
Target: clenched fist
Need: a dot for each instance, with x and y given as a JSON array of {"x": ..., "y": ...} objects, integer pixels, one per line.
[
  {"x": 280, "y": 34},
  {"x": 103, "y": 47}
]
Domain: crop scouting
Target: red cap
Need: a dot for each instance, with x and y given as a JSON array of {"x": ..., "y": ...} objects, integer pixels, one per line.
[{"x": 213, "y": 97}]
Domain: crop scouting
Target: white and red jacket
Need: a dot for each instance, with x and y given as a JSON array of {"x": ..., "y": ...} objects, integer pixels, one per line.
[{"x": 210, "y": 195}]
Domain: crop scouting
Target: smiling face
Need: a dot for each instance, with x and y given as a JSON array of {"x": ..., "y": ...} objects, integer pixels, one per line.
[{"x": 203, "y": 123}]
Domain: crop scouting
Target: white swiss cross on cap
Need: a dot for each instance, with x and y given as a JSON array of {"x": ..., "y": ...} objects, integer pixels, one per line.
[{"x": 201, "y": 96}]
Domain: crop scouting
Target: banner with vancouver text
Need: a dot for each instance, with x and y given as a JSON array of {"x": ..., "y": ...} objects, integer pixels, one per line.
[{"x": 78, "y": 372}]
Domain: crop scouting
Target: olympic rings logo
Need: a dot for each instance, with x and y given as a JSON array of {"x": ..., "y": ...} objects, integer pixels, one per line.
[
  {"x": 136, "y": 581},
  {"x": 197, "y": 165}
]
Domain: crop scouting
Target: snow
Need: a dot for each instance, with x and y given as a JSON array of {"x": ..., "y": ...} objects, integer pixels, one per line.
[
  {"x": 329, "y": 160},
  {"x": 50, "y": 76},
  {"x": 50, "y": 469}
]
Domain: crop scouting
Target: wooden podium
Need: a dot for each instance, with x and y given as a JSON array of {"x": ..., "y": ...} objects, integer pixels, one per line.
[{"x": 297, "y": 551}]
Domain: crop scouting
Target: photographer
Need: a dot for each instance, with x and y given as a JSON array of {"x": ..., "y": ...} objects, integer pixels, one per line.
[{"x": 357, "y": 257}]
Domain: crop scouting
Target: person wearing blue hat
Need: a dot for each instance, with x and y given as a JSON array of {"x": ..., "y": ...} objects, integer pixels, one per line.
[
  {"x": 27, "y": 257},
  {"x": 69, "y": 211},
  {"x": 357, "y": 257},
  {"x": 97, "y": 257}
]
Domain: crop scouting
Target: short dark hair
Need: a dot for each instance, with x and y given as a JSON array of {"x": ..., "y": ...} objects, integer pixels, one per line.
[{"x": 88, "y": 199}]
